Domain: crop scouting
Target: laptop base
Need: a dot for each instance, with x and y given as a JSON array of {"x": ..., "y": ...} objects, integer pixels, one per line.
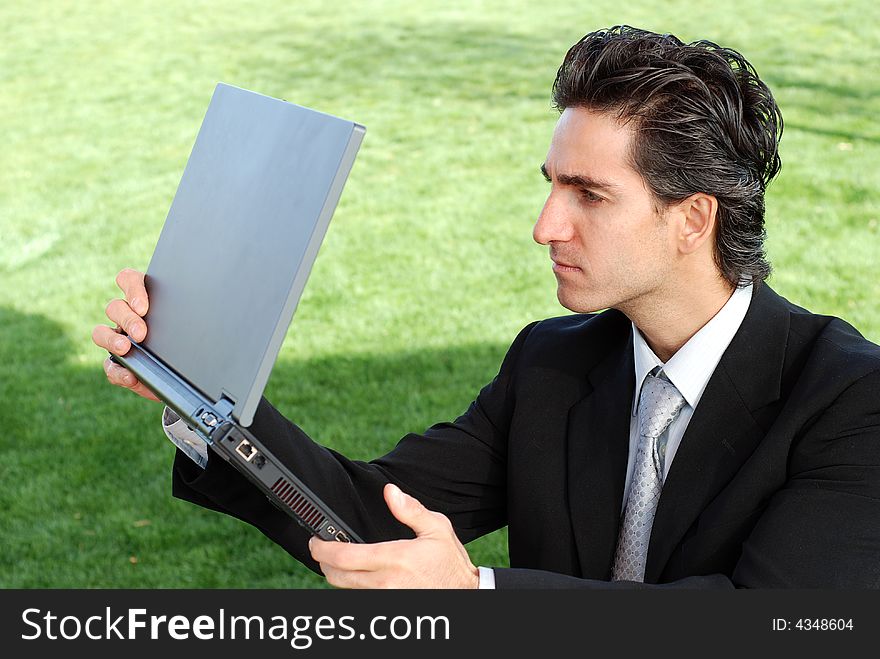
[{"x": 212, "y": 420}]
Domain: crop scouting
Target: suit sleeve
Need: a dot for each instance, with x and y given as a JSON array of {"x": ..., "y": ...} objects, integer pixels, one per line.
[{"x": 456, "y": 468}]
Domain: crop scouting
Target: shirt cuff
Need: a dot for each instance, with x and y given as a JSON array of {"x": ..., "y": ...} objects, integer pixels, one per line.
[
  {"x": 487, "y": 578},
  {"x": 185, "y": 438}
]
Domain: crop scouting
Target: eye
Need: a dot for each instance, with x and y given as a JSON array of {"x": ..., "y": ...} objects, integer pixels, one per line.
[{"x": 591, "y": 197}]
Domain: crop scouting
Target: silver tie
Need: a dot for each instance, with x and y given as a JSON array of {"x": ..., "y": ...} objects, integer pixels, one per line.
[{"x": 659, "y": 404}]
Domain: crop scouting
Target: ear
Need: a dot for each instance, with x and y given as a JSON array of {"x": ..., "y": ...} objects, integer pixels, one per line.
[{"x": 698, "y": 212}]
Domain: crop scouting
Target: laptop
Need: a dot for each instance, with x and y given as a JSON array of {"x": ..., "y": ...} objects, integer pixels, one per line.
[{"x": 230, "y": 265}]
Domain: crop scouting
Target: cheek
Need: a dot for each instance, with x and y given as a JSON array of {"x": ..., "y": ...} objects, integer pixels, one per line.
[
  {"x": 651, "y": 255},
  {"x": 628, "y": 250},
  {"x": 609, "y": 241}
]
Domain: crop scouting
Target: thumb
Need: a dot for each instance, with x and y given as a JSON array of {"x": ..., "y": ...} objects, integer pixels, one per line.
[{"x": 409, "y": 511}]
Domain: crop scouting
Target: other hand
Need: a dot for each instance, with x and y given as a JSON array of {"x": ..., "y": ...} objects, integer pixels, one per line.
[{"x": 433, "y": 559}]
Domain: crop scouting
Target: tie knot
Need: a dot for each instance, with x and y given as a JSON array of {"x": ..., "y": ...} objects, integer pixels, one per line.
[{"x": 659, "y": 403}]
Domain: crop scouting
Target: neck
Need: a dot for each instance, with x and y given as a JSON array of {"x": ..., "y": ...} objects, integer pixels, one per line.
[{"x": 669, "y": 318}]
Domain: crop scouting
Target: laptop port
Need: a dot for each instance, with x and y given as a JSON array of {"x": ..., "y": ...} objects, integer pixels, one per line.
[
  {"x": 246, "y": 450},
  {"x": 341, "y": 537}
]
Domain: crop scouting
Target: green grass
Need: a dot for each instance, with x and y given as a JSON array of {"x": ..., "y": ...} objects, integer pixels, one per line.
[{"x": 427, "y": 271}]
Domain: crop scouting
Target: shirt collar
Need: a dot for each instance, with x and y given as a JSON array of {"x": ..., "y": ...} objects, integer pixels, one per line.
[{"x": 690, "y": 368}]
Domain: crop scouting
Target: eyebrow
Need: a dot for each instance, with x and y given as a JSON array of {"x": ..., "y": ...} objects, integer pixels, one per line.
[{"x": 580, "y": 180}]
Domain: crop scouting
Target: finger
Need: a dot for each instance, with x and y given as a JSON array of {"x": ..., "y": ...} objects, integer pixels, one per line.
[
  {"x": 132, "y": 284},
  {"x": 141, "y": 390},
  {"x": 118, "y": 375},
  {"x": 106, "y": 338},
  {"x": 350, "y": 556},
  {"x": 350, "y": 578},
  {"x": 122, "y": 377},
  {"x": 120, "y": 313},
  {"x": 411, "y": 512}
]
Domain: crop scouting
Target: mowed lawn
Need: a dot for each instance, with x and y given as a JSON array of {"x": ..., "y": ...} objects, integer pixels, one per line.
[{"x": 428, "y": 269}]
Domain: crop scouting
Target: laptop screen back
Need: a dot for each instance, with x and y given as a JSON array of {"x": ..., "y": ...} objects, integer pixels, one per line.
[{"x": 252, "y": 207}]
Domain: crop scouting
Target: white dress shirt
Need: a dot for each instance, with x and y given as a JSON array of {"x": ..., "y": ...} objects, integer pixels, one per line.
[{"x": 689, "y": 370}]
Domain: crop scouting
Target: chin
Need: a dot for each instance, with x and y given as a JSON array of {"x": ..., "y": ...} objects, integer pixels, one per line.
[{"x": 580, "y": 301}]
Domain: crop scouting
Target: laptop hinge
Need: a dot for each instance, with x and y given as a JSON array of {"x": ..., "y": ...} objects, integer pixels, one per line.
[
  {"x": 225, "y": 405},
  {"x": 210, "y": 418}
]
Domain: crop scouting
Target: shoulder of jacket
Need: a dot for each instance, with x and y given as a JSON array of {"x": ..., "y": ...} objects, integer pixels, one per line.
[{"x": 579, "y": 326}]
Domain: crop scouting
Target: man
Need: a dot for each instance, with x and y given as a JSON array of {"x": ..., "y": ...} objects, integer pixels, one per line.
[{"x": 701, "y": 432}]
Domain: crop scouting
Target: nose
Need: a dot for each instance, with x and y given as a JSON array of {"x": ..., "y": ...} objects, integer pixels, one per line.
[{"x": 553, "y": 224}]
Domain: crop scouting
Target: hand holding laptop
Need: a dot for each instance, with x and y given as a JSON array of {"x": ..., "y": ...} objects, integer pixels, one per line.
[{"x": 128, "y": 316}]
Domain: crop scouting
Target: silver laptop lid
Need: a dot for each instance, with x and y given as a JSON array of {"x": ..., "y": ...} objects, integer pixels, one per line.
[{"x": 249, "y": 215}]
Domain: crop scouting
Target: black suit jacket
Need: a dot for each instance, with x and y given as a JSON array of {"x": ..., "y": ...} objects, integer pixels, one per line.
[{"x": 776, "y": 482}]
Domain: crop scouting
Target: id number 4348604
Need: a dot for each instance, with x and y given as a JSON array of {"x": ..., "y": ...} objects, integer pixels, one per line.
[{"x": 812, "y": 624}]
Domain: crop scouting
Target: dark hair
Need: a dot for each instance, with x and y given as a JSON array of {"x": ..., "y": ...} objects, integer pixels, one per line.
[{"x": 703, "y": 120}]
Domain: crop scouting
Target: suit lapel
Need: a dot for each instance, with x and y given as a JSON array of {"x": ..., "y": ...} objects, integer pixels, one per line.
[
  {"x": 723, "y": 432},
  {"x": 598, "y": 446}
]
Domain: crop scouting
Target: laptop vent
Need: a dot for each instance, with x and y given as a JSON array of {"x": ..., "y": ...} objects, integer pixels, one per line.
[{"x": 291, "y": 497}]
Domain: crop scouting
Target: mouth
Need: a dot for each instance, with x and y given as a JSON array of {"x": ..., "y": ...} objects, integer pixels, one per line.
[{"x": 561, "y": 266}]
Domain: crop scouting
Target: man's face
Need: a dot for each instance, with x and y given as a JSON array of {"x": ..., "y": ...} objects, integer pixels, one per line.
[{"x": 609, "y": 246}]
